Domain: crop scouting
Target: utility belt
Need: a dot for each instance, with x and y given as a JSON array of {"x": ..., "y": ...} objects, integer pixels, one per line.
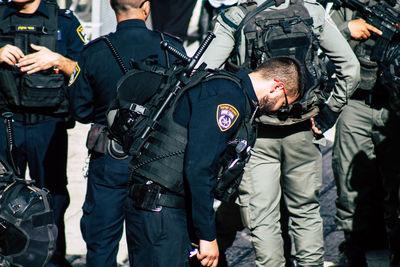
[
  {"x": 98, "y": 141},
  {"x": 279, "y": 131},
  {"x": 152, "y": 197},
  {"x": 31, "y": 118}
]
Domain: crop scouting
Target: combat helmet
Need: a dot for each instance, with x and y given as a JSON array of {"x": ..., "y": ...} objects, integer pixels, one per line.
[{"x": 27, "y": 229}]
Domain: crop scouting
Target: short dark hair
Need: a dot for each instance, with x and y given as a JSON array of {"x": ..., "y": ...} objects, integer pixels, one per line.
[
  {"x": 287, "y": 70},
  {"x": 125, "y": 5}
]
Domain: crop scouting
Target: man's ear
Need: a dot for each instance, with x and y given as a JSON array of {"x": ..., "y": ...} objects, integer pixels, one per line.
[
  {"x": 146, "y": 9},
  {"x": 276, "y": 86},
  {"x": 279, "y": 85}
]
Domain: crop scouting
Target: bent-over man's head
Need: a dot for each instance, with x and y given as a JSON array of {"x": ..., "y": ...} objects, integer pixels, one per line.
[{"x": 278, "y": 82}]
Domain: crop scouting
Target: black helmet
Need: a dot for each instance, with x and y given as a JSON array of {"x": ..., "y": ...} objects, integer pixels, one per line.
[{"x": 27, "y": 229}]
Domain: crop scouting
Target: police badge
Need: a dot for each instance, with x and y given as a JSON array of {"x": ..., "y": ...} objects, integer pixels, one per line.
[{"x": 226, "y": 116}]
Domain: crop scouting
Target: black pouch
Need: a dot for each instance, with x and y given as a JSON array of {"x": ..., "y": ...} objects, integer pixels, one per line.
[
  {"x": 369, "y": 73},
  {"x": 146, "y": 196},
  {"x": 43, "y": 91},
  {"x": 97, "y": 138},
  {"x": 9, "y": 87}
]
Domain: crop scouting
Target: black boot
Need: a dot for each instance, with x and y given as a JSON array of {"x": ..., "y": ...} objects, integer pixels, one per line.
[{"x": 353, "y": 253}]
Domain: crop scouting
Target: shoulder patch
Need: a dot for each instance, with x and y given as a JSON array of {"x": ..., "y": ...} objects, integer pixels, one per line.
[
  {"x": 74, "y": 75},
  {"x": 65, "y": 13},
  {"x": 226, "y": 116},
  {"x": 82, "y": 34}
]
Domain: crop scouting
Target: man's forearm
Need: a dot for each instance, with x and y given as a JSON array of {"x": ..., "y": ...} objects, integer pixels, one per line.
[{"x": 66, "y": 66}]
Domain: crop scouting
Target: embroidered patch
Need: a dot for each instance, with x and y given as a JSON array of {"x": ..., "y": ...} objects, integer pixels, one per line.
[
  {"x": 82, "y": 34},
  {"x": 226, "y": 116},
  {"x": 23, "y": 28},
  {"x": 74, "y": 75}
]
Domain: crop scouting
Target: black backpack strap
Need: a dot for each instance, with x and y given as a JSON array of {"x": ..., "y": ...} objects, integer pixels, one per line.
[
  {"x": 115, "y": 54},
  {"x": 247, "y": 17},
  {"x": 167, "y": 59},
  {"x": 250, "y": 15}
]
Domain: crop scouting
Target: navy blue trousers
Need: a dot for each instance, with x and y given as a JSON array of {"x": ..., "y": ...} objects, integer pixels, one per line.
[
  {"x": 157, "y": 239},
  {"x": 103, "y": 216},
  {"x": 42, "y": 147}
]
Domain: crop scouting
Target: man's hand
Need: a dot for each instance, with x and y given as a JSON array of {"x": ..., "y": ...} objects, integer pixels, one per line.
[
  {"x": 360, "y": 30},
  {"x": 43, "y": 59},
  {"x": 10, "y": 54},
  {"x": 208, "y": 253},
  {"x": 314, "y": 128}
]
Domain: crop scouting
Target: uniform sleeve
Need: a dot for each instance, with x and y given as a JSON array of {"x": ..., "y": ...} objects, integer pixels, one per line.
[
  {"x": 341, "y": 18},
  {"x": 221, "y": 46},
  {"x": 81, "y": 93},
  {"x": 208, "y": 134},
  {"x": 76, "y": 39},
  {"x": 347, "y": 67}
]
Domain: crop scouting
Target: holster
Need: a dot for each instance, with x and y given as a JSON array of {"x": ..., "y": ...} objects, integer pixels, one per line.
[
  {"x": 153, "y": 197},
  {"x": 97, "y": 138}
]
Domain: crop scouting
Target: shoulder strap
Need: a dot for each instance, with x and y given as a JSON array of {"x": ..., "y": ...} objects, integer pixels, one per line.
[
  {"x": 222, "y": 74},
  {"x": 167, "y": 60},
  {"x": 115, "y": 54},
  {"x": 250, "y": 15}
]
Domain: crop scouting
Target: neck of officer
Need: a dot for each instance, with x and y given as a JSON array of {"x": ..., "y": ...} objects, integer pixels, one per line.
[
  {"x": 133, "y": 14},
  {"x": 259, "y": 85},
  {"x": 28, "y": 7}
]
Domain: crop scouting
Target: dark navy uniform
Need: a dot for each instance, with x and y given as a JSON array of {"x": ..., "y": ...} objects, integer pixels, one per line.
[
  {"x": 160, "y": 238},
  {"x": 92, "y": 90},
  {"x": 42, "y": 142}
]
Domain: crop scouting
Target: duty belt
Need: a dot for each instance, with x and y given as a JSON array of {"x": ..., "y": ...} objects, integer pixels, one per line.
[
  {"x": 151, "y": 196},
  {"x": 30, "y": 118}
]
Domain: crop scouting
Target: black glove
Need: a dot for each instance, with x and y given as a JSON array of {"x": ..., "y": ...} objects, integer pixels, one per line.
[{"x": 325, "y": 119}]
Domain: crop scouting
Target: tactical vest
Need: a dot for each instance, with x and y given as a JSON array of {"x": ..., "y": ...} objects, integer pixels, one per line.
[
  {"x": 161, "y": 159},
  {"x": 284, "y": 32},
  {"x": 42, "y": 91}
]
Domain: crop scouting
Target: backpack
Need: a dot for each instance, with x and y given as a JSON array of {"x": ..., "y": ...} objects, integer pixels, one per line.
[
  {"x": 145, "y": 91},
  {"x": 283, "y": 32},
  {"x": 134, "y": 115}
]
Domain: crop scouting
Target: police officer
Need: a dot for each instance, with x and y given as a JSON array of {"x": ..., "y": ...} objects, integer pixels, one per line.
[
  {"x": 38, "y": 46},
  {"x": 92, "y": 88},
  {"x": 364, "y": 153},
  {"x": 286, "y": 152},
  {"x": 206, "y": 116}
]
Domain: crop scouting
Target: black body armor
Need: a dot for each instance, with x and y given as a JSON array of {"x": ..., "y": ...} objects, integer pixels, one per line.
[{"x": 41, "y": 92}]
